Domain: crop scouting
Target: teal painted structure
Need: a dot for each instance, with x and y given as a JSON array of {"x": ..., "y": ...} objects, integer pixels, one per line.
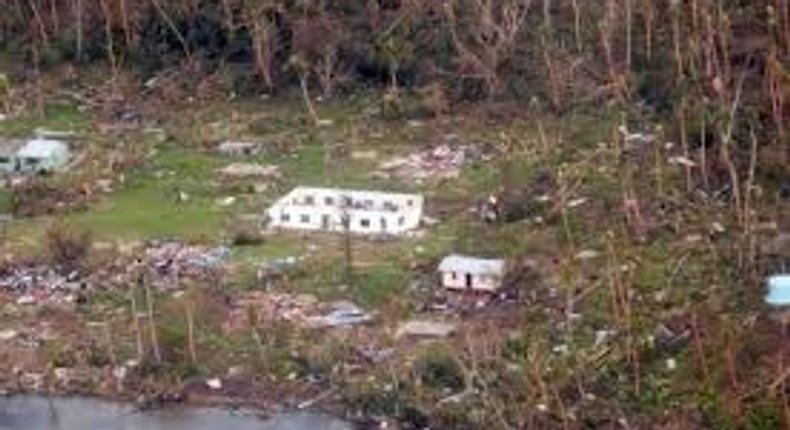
[{"x": 778, "y": 290}]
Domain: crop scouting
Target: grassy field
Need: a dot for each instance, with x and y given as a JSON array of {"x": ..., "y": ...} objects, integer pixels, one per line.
[
  {"x": 637, "y": 276},
  {"x": 148, "y": 204}
]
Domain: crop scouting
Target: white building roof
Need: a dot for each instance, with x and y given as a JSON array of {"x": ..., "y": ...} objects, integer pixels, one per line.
[
  {"x": 480, "y": 266},
  {"x": 301, "y": 190},
  {"x": 41, "y": 148}
]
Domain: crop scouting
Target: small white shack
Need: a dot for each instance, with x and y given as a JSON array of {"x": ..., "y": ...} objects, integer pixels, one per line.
[
  {"x": 339, "y": 210},
  {"x": 460, "y": 272}
]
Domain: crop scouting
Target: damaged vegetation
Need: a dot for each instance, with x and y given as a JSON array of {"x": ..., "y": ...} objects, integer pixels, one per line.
[{"x": 625, "y": 161}]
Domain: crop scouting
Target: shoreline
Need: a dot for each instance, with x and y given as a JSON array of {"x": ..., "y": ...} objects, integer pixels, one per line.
[{"x": 260, "y": 408}]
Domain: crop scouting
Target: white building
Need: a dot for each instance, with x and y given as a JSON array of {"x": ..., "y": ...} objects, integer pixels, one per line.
[
  {"x": 472, "y": 274},
  {"x": 36, "y": 155},
  {"x": 328, "y": 209}
]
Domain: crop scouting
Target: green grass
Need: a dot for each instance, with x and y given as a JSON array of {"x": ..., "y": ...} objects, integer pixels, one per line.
[
  {"x": 57, "y": 115},
  {"x": 147, "y": 205},
  {"x": 5, "y": 201},
  {"x": 375, "y": 284}
]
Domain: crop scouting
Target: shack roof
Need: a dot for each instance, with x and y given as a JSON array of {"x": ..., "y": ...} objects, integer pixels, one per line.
[
  {"x": 480, "y": 266},
  {"x": 42, "y": 148}
]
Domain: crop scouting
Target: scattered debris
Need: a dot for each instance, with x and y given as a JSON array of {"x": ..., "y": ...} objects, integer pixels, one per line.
[
  {"x": 214, "y": 383},
  {"x": 176, "y": 260},
  {"x": 343, "y": 313},
  {"x": 39, "y": 284},
  {"x": 251, "y": 170},
  {"x": 8, "y": 334},
  {"x": 422, "y": 328},
  {"x": 239, "y": 149},
  {"x": 587, "y": 254},
  {"x": 717, "y": 228},
  {"x": 577, "y": 202},
  {"x": 441, "y": 162},
  {"x": 271, "y": 307},
  {"x": 682, "y": 161},
  {"x": 505, "y": 207},
  {"x": 227, "y": 201},
  {"x": 364, "y": 155}
]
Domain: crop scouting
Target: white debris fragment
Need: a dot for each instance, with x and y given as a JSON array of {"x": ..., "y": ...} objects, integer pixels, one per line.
[
  {"x": 587, "y": 254},
  {"x": 560, "y": 349},
  {"x": 214, "y": 383},
  {"x": 602, "y": 335},
  {"x": 250, "y": 170},
  {"x": 577, "y": 202},
  {"x": 717, "y": 227},
  {"x": 672, "y": 364},
  {"x": 682, "y": 161},
  {"x": 27, "y": 299},
  {"x": 7, "y": 335},
  {"x": 227, "y": 201},
  {"x": 364, "y": 155},
  {"x": 418, "y": 328}
]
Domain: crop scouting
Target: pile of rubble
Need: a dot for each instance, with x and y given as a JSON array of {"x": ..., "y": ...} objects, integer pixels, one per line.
[
  {"x": 167, "y": 262},
  {"x": 39, "y": 284},
  {"x": 175, "y": 260},
  {"x": 441, "y": 162},
  {"x": 250, "y": 170},
  {"x": 303, "y": 310}
]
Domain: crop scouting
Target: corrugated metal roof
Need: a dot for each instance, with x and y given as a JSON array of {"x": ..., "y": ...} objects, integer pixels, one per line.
[
  {"x": 482, "y": 266},
  {"x": 42, "y": 148}
]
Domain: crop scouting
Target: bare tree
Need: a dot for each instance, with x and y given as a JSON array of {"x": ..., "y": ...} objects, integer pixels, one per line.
[
  {"x": 149, "y": 302},
  {"x": 258, "y": 16},
  {"x": 484, "y": 34}
]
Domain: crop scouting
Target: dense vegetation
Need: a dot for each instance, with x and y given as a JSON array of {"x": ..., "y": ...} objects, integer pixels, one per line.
[{"x": 690, "y": 58}]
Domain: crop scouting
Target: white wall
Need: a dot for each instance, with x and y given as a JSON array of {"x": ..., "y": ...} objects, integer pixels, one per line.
[
  {"x": 370, "y": 212},
  {"x": 458, "y": 281}
]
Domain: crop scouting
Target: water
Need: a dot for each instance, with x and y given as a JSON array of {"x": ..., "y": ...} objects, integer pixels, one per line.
[{"x": 81, "y": 413}]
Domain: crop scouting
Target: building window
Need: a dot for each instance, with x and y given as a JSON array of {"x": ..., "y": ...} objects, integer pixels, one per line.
[
  {"x": 305, "y": 219},
  {"x": 4, "y": 160},
  {"x": 285, "y": 217},
  {"x": 329, "y": 201},
  {"x": 410, "y": 203},
  {"x": 309, "y": 200},
  {"x": 453, "y": 276},
  {"x": 401, "y": 221},
  {"x": 364, "y": 223}
]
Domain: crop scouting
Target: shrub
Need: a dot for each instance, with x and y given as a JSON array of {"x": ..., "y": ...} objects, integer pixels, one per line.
[
  {"x": 440, "y": 371},
  {"x": 67, "y": 247}
]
